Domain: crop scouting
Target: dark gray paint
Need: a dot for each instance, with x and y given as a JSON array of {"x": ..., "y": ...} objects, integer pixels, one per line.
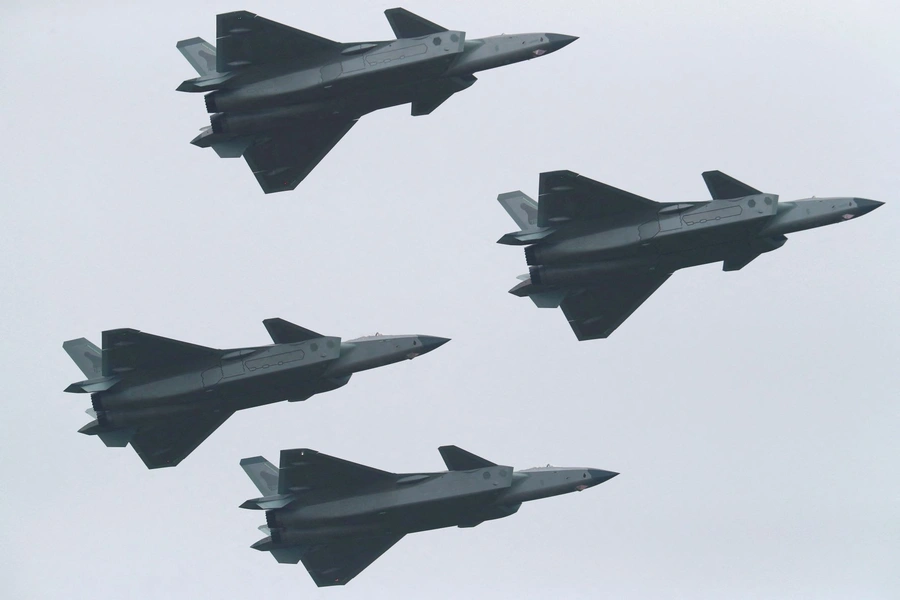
[
  {"x": 165, "y": 396},
  {"x": 282, "y": 98},
  {"x": 599, "y": 252},
  {"x": 338, "y": 517},
  {"x": 782, "y": 486}
]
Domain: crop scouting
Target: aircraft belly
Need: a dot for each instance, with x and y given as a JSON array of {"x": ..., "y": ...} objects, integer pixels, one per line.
[
  {"x": 271, "y": 385},
  {"x": 442, "y": 492},
  {"x": 289, "y": 88},
  {"x": 147, "y": 415},
  {"x": 701, "y": 234},
  {"x": 408, "y": 517},
  {"x": 171, "y": 390},
  {"x": 428, "y": 517},
  {"x": 702, "y": 254},
  {"x": 606, "y": 245}
]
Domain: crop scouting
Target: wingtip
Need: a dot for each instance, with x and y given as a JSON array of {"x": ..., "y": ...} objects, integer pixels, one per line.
[
  {"x": 551, "y": 179},
  {"x": 505, "y": 195},
  {"x": 301, "y": 451},
  {"x": 189, "y": 42}
]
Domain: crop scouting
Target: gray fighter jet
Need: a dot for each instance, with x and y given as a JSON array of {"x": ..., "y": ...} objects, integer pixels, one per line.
[
  {"x": 599, "y": 252},
  {"x": 338, "y": 517},
  {"x": 282, "y": 98},
  {"x": 165, "y": 397}
]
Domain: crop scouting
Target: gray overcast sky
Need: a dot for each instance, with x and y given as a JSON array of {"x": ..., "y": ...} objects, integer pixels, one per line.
[{"x": 753, "y": 415}]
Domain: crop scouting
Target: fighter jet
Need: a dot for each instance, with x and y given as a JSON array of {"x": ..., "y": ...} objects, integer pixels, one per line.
[
  {"x": 338, "y": 517},
  {"x": 165, "y": 397},
  {"x": 282, "y": 98},
  {"x": 599, "y": 252}
]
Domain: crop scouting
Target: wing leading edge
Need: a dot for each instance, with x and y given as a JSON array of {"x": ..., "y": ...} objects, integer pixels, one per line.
[
  {"x": 127, "y": 350},
  {"x": 244, "y": 39},
  {"x": 566, "y": 196},
  {"x": 305, "y": 469}
]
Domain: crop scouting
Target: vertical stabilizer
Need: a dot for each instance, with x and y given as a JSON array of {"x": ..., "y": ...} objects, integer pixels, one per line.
[
  {"x": 725, "y": 187},
  {"x": 522, "y": 209},
  {"x": 201, "y": 54},
  {"x": 262, "y": 473},
  {"x": 86, "y": 355},
  {"x": 458, "y": 459},
  {"x": 408, "y": 25},
  {"x": 285, "y": 332}
]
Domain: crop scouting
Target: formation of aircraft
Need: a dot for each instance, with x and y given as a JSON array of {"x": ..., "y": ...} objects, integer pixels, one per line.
[{"x": 282, "y": 98}]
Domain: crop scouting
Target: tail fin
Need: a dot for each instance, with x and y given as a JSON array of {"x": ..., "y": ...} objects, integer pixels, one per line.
[
  {"x": 86, "y": 355},
  {"x": 408, "y": 25},
  {"x": 285, "y": 332},
  {"x": 263, "y": 474},
  {"x": 724, "y": 187},
  {"x": 522, "y": 209},
  {"x": 201, "y": 54},
  {"x": 458, "y": 459}
]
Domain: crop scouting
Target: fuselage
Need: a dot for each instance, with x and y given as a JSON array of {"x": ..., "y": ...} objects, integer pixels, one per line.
[
  {"x": 389, "y": 63},
  {"x": 680, "y": 235},
  {"x": 362, "y": 78},
  {"x": 249, "y": 377},
  {"x": 421, "y": 502}
]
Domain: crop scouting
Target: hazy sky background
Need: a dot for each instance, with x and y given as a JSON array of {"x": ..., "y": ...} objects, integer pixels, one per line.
[{"x": 753, "y": 415}]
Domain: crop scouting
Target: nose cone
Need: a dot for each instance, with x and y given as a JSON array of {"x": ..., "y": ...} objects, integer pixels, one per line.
[
  {"x": 430, "y": 342},
  {"x": 598, "y": 476},
  {"x": 865, "y": 206},
  {"x": 558, "y": 40}
]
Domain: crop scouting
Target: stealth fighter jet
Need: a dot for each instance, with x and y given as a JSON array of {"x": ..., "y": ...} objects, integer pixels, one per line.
[
  {"x": 338, "y": 517},
  {"x": 282, "y": 98},
  {"x": 599, "y": 252},
  {"x": 165, "y": 397}
]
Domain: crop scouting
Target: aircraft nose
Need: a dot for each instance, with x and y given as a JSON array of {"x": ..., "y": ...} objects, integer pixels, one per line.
[
  {"x": 430, "y": 342},
  {"x": 558, "y": 40},
  {"x": 598, "y": 476},
  {"x": 866, "y": 206}
]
